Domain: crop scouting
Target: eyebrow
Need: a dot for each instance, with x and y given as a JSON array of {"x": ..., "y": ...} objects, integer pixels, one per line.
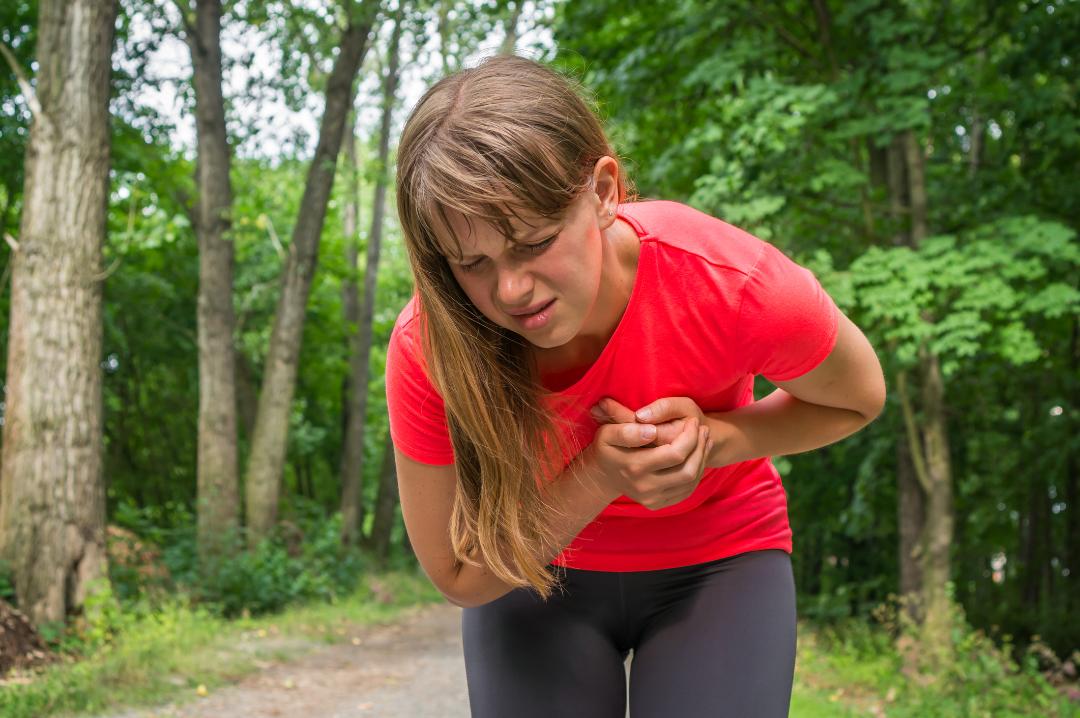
[{"x": 539, "y": 229}]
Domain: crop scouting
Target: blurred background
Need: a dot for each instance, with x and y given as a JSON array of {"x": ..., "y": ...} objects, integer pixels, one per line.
[{"x": 202, "y": 266}]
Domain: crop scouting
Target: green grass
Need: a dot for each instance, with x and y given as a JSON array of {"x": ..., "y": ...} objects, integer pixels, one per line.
[
  {"x": 167, "y": 654},
  {"x": 852, "y": 669}
]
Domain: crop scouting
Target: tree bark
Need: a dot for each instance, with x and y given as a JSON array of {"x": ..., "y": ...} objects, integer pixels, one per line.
[
  {"x": 352, "y": 451},
  {"x": 218, "y": 498},
  {"x": 52, "y": 494},
  {"x": 267, "y": 460},
  {"x": 935, "y": 464},
  {"x": 360, "y": 349},
  {"x": 385, "y": 506},
  {"x": 911, "y": 513}
]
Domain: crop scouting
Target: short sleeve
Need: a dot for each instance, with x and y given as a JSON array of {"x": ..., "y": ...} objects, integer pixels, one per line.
[
  {"x": 787, "y": 324},
  {"x": 417, "y": 413}
]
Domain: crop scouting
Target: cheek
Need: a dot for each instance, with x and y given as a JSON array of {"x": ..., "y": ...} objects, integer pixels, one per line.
[{"x": 474, "y": 290}]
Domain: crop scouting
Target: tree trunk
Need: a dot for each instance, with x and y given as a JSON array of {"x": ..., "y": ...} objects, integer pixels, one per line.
[
  {"x": 934, "y": 465},
  {"x": 510, "y": 28},
  {"x": 385, "y": 506},
  {"x": 263, "y": 478},
  {"x": 52, "y": 495},
  {"x": 352, "y": 451},
  {"x": 937, "y": 537},
  {"x": 911, "y": 514},
  {"x": 1072, "y": 475},
  {"x": 360, "y": 349},
  {"x": 218, "y": 503}
]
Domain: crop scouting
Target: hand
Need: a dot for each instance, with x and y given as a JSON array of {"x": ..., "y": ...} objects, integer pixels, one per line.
[
  {"x": 635, "y": 461},
  {"x": 609, "y": 411}
]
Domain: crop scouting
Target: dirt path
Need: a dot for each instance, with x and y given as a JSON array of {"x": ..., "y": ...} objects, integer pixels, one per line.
[{"x": 413, "y": 667}]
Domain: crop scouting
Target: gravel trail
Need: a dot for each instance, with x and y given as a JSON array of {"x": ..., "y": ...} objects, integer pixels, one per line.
[{"x": 411, "y": 668}]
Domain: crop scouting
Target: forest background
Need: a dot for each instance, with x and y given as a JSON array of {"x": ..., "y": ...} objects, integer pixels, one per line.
[{"x": 921, "y": 158}]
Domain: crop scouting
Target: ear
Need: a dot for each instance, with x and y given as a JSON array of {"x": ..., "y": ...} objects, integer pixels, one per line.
[{"x": 605, "y": 182}]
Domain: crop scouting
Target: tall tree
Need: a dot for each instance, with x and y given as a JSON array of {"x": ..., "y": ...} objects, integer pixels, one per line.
[
  {"x": 360, "y": 340},
  {"x": 218, "y": 499},
  {"x": 52, "y": 495},
  {"x": 266, "y": 464}
]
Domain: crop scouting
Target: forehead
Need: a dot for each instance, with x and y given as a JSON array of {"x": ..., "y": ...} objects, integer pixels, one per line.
[{"x": 467, "y": 234}]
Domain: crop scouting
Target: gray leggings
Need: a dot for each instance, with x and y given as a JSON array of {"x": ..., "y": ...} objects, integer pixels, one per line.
[{"x": 714, "y": 639}]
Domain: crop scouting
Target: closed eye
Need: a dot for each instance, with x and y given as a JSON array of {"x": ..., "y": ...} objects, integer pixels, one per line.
[{"x": 535, "y": 247}]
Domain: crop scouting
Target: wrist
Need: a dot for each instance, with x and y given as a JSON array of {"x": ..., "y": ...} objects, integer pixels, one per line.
[
  {"x": 587, "y": 469},
  {"x": 730, "y": 445}
]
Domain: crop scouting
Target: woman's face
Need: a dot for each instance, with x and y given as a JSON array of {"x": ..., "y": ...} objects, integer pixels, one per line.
[{"x": 544, "y": 286}]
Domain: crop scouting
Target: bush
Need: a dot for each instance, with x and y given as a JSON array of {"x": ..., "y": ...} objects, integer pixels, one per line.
[
  {"x": 302, "y": 561},
  {"x": 982, "y": 678}
]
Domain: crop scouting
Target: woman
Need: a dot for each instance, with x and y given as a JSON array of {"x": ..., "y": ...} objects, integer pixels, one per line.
[{"x": 581, "y": 464}]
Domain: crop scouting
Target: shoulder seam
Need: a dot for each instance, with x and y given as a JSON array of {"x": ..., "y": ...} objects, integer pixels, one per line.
[
  {"x": 705, "y": 259},
  {"x": 742, "y": 290}
]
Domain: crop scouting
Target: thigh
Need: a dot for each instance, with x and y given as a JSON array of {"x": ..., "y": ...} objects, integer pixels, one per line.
[
  {"x": 525, "y": 657},
  {"x": 721, "y": 644}
]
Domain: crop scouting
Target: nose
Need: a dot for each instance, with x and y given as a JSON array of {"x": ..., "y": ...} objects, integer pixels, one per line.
[{"x": 515, "y": 286}]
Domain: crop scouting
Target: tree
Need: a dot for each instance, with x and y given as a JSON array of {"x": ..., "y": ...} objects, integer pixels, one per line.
[
  {"x": 218, "y": 496},
  {"x": 52, "y": 494},
  {"x": 266, "y": 463},
  {"x": 360, "y": 340}
]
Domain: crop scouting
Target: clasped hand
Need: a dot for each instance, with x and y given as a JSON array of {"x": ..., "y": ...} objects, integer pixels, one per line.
[{"x": 655, "y": 456}]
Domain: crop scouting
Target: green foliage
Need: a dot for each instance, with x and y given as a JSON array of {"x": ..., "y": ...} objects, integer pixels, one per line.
[
  {"x": 959, "y": 297},
  {"x": 7, "y": 587},
  {"x": 981, "y": 680},
  {"x": 302, "y": 561}
]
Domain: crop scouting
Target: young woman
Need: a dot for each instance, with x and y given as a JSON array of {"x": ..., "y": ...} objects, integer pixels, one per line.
[{"x": 582, "y": 465}]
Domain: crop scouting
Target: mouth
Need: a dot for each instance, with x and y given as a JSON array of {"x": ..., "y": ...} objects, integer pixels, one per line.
[
  {"x": 531, "y": 310},
  {"x": 535, "y": 319}
]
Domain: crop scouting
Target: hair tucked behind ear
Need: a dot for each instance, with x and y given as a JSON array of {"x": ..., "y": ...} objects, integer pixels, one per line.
[{"x": 508, "y": 135}]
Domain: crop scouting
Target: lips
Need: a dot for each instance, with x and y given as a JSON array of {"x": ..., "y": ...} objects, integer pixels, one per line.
[{"x": 531, "y": 310}]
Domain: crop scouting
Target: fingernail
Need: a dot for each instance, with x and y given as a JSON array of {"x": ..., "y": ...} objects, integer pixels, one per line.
[
  {"x": 597, "y": 412},
  {"x": 644, "y": 414},
  {"x": 648, "y": 431}
]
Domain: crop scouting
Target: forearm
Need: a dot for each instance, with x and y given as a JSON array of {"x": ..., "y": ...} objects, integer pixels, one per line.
[
  {"x": 776, "y": 425},
  {"x": 578, "y": 495}
]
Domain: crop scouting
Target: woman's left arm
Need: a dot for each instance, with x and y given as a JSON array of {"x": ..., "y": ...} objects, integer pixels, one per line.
[{"x": 841, "y": 395}]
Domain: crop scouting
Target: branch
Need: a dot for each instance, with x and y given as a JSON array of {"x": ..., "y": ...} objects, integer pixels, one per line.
[
  {"x": 912, "y": 431},
  {"x": 24, "y": 84},
  {"x": 788, "y": 38},
  {"x": 112, "y": 268}
]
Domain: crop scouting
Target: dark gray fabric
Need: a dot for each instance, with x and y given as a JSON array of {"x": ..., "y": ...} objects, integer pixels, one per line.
[{"x": 715, "y": 639}]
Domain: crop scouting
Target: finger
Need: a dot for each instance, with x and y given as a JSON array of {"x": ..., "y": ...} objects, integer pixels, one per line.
[
  {"x": 609, "y": 411},
  {"x": 695, "y": 460},
  {"x": 671, "y": 407},
  {"x": 632, "y": 435},
  {"x": 675, "y": 453},
  {"x": 669, "y": 430}
]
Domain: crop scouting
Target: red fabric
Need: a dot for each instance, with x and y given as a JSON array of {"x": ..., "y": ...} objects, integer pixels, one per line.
[{"x": 711, "y": 306}]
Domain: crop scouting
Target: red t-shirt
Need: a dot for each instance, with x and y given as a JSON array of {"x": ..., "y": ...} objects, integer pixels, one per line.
[{"x": 711, "y": 306}]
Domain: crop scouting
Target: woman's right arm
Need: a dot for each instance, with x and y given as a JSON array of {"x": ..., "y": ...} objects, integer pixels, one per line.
[
  {"x": 613, "y": 464},
  {"x": 427, "y": 495}
]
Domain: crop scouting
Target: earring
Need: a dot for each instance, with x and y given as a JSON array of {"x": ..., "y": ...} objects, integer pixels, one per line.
[{"x": 610, "y": 212}]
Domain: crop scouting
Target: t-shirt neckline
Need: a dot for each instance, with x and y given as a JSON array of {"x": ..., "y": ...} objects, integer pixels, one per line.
[{"x": 627, "y": 315}]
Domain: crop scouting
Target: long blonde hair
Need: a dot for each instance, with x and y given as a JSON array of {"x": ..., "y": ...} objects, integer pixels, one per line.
[{"x": 508, "y": 135}]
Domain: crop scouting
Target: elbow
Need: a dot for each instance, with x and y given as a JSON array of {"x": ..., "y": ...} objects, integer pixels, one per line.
[
  {"x": 874, "y": 410},
  {"x": 463, "y": 601}
]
